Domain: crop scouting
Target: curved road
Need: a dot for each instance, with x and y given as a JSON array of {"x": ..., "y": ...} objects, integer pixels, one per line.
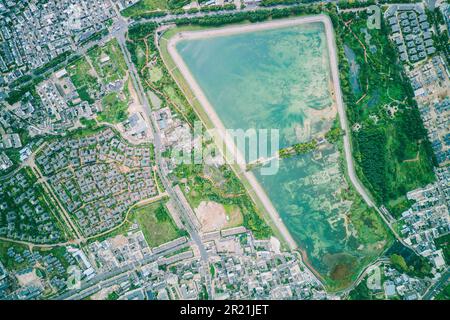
[{"x": 345, "y": 127}]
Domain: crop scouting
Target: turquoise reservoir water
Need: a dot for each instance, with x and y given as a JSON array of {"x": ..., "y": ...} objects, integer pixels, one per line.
[
  {"x": 279, "y": 79},
  {"x": 265, "y": 79}
]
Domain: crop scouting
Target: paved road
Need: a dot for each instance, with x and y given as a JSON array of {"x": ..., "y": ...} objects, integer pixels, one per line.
[
  {"x": 437, "y": 287},
  {"x": 119, "y": 31},
  {"x": 341, "y": 111}
]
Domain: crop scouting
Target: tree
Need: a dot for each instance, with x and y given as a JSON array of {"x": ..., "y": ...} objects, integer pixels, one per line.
[{"x": 399, "y": 262}]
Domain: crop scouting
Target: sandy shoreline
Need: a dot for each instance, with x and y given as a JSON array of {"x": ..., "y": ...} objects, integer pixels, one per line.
[
  {"x": 229, "y": 143},
  {"x": 239, "y": 29}
]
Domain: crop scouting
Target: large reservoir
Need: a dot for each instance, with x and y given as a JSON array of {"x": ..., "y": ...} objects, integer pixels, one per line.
[
  {"x": 279, "y": 78},
  {"x": 276, "y": 78}
]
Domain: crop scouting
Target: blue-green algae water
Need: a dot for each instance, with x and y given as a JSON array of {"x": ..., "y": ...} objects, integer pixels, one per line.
[
  {"x": 279, "y": 79},
  {"x": 264, "y": 79}
]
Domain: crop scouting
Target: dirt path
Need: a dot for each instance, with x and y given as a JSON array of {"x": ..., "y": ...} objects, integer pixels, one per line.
[
  {"x": 65, "y": 215},
  {"x": 93, "y": 71},
  {"x": 414, "y": 159},
  {"x": 32, "y": 245}
]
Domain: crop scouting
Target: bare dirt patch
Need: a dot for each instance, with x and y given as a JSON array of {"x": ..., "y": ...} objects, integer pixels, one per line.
[
  {"x": 118, "y": 241},
  {"x": 212, "y": 216},
  {"x": 28, "y": 278}
]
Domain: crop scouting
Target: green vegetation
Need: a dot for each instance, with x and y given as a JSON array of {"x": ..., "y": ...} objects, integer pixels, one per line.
[
  {"x": 88, "y": 123},
  {"x": 156, "y": 230},
  {"x": 110, "y": 66},
  {"x": 144, "y": 6},
  {"x": 367, "y": 222},
  {"x": 157, "y": 8},
  {"x": 372, "y": 235},
  {"x": 115, "y": 107},
  {"x": 400, "y": 205},
  {"x": 156, "y": 224},
  {"x": 177, "y": 4},
  {"x": 162, "y": 85},
  {"x": 334, "y": 135},
  {"x": 343, "y": 4},
  {"x": 21, "y": 80},
  {"x": 27, "y": 224},
  {"x": 441, "y": 37},
  {"x": 84, "y": 79},
  {"x": 270, "y": 3},
  {"x": 222, "y": 186},
  {"x": 229, "y": 6},
  {"x": 392, "y": 151},
  {"x": 112, "y": 296},
  {"x": 398, "y": 262},
  {"x": 361, "y": 292},
  {"x": 108, "y": 61},
  {"x": 407, "y": 261},
  {"x": 9, "y": 263},
  {"x": 250, "y": 16},
  {"x": 53, "y": 63},
  {"x": 203, "y": 295},
  {"x": 443, "y": 243},
  {"x": 96, "y": 36},
  {"x": 17, "y": 257},
  {"x": 299, "y": 148},
  {"x": 444, "y": 294},
  {"x": 18, "y": 94}
]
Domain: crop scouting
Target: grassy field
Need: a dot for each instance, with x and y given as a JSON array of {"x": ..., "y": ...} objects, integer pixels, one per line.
[
  {"x": 145, "y": 6},
  {"x": 156, "y": 224},
  {"x": 392, "y": 152},
  {"x": 115, "y": 107},
  {"x": 108, "y": 61},
  {"x": 443, "y": 242},
  {"x": 84, "y": 79},
  {"x": 234, "y": 216}
]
